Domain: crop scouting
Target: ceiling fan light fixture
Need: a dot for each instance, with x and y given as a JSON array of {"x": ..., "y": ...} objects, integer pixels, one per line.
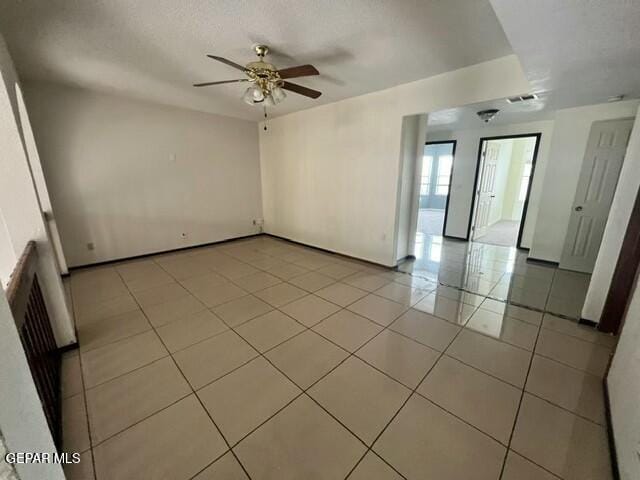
[
  {"x": 253, "y": 95},
  {"x": 278, "y": 94},
  {"x": 248, "y": 96},
  {"x": 257, "y": 93},
  {"x": 269, "y": 101}
]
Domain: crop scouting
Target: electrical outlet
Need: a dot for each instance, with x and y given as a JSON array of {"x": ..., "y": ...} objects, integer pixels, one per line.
[
  {"x": 91, "y": 246},
  {"x": 258, "y": 223}
]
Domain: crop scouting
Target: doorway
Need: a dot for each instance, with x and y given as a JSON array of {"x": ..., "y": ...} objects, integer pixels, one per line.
[
  {"x": 504, "y": 173},
  {"x": 435, "y": 182}
]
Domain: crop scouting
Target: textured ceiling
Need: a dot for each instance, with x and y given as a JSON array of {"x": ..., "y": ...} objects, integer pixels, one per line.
[
  {"x": 155, "y": 49},
  {"x": 578, "y": 51},
  {"x": 572, "y": 52},
  {"x": 462, "y": 118}
]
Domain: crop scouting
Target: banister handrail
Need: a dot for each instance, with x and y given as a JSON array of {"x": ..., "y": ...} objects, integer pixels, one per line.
[{"x": 20, "y": 282}]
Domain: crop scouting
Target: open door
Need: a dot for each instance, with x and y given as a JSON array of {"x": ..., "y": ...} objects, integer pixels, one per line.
[
  {"x": 486, "y": 187},
  {"x": 504, "y": 173},
  {"x": 603, "y": 159}
]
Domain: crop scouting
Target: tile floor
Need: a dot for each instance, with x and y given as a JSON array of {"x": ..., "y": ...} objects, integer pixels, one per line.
[
  {"x": 503, "y": 232},
  {"x": 264, "y": 359},
  {"x": 500, "y": 273}
]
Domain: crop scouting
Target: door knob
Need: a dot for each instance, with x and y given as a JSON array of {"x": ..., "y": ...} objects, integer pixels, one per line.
[{"x": 578, "y": 208}]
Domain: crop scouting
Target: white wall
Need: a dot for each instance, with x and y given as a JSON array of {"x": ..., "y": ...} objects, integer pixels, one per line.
[
  {"x": 20, "y": 204},
  {"x": 522, "y": 154},
  {"x": 131, "y": 177},
  {"x": 621, "y": 207},
  {"x": 413, "y": 129},
  {"x": 8, "y": 258},
  {"x": 623, "y": 382},
  {"x": 568, "y": 146},
  {"x": 330, "y": 173},
  {"x": 464, "y": 170},
  {"x": 39, "y": 181},
  {"x": 22, "y": 419}
]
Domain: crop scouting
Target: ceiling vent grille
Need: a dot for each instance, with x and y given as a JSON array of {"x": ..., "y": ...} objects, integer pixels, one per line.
[{"x": 522, "y": 98}]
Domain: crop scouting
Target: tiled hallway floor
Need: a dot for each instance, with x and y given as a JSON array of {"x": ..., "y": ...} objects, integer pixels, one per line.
[
  {"x": 500, "y": 273},
  {"x": 263, "y": 359}
]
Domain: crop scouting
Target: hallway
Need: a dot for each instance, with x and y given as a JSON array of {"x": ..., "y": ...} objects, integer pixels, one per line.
[
  {"x": 430, "y": 221},
  {"x": 503, "y": 233}
]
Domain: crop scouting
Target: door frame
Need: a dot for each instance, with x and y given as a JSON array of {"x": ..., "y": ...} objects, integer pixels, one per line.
[
  {"x": 446, "y": 202},
  {"x": 624, "y": 276},
  {"x": 525, "y": 206}
]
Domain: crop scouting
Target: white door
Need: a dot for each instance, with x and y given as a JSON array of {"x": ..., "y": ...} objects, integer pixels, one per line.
[
  {"x": 486, "y": 187},
  {"x": 601, "y": 166}
]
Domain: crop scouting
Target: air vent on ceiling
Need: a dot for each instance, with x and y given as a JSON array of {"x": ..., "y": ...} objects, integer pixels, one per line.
[{"x": 522, "y": 98}]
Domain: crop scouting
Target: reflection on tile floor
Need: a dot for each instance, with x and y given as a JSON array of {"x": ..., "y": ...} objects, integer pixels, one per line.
[
  {"x": 500, "y": 273},
  {"x": 264, "y": 359}
]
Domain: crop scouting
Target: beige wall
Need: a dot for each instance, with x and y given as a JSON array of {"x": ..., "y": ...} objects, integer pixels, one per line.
[
  {"x": 8, "y": 258},
  {"x": 330, "y": 174},
  {"x": 413, "y": 131},
  {"x": 131, "y": 177},
  {"x": 501, "y": 177},
  {"x": 20, "y": 203}
]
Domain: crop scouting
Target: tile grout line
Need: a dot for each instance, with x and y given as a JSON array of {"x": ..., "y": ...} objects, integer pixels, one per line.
[
  {"x": 192, "y": 390},
  {"x": 259, "y": 354},
  {"x": 413, "y": 391},
  {"x": 305, "y": 391},
  {"x": 229, "y": 328},
  {"x": 84, "y": 390},
  {"x": 524, "y": 386},
  {"x": 354, "y": 353},
  {"x": 367, "y": 292},
  {"x": 248, "y": 294}
]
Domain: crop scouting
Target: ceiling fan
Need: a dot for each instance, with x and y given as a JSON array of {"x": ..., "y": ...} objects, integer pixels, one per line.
[{"x": 267, "y": 83}]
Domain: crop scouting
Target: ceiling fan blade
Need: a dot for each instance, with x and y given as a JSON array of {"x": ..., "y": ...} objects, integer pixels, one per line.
[
  {"x": 228, "y": 62},
  {"x": 299, "y": 71},
  {"x": 299, "y": 89},
  {"x": 206, "y": 84}
]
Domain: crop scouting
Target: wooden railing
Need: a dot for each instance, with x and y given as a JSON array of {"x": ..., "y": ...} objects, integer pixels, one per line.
[{"x": 33, "y": 324}]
